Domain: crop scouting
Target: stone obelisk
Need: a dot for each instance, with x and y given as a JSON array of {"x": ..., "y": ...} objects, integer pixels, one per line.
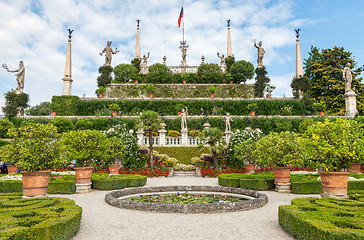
[
  {"x": 67, "y": 79},
  {"x": 299, "y": 68},
  {"x": 137, "y": 45},
  {"x": 229, "y": 48}
]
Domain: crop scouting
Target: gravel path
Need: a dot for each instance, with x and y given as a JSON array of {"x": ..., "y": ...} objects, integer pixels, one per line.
[{"x": 102, "y": 221}]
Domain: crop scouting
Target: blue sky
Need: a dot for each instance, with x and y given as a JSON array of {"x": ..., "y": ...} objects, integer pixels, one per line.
[{"x": 35, "y": 31}]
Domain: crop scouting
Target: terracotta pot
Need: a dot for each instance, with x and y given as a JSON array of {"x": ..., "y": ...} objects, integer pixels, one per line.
[
  {"x": 334, "y": 184},
  {"x": 150, "y": 95},
  {"x": 114, "y": 169},
  {"x": 101, "y": 95},
  {"x": 184, "y": 82},
  {"x": 83, "y": 174},
  {"x": 252, "y": 113},
  {"x": 281, "y": 174},
  {"x": 136, "y": 81},
  {"x": 54, "y": 114},
  {"x": 355, "y": 168},
  {"x": 269, "y": 95},
  {"x": 35, "y": 184},
  {"x": 321, "y": 114},
  {"x": 12, "y": 169},
  {"x": 114, "y": 113},
  {"x": 249, "y": 168},
  {"x": 212, "y": 95},
  {"x": 231, "y": 82}
]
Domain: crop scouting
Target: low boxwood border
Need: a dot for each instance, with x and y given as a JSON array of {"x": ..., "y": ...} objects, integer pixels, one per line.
[
  {"x": 38, "y": 218},
  {"x": 104, "y": 181},
  {"x": 323, "y": 218}
]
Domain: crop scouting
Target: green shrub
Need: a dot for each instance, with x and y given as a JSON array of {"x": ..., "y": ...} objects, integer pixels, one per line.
[
  {"x": 38, "y": 218},
  {"x": 65, "y": 105},
  {"x": 182, "y": 154},
  {"x": 255, "y": 181},
  {"x": 104, "y": 181},
  {"x": 323, "y": 218},
  {"x": 63, "y": 124},
  {"x": 5, "y": 125}
]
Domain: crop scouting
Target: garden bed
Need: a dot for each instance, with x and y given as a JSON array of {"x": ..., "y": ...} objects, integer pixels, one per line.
[
  {"x": 38, "y": 218},
  {"x": 323, "y": 218}
]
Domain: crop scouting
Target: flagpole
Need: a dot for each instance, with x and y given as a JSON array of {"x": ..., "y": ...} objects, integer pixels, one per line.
[{"x": 183, "y": 23}]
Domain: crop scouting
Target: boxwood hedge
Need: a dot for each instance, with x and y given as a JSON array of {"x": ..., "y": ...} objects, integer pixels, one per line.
[
  {"x": 323, "y": 218},
  {"x": 104, "y": 181},
  {"x": 38, "y": 218}
]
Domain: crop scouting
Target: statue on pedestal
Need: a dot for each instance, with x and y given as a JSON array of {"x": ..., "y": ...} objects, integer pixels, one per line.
[
  {"x": 19, "y": 76},
  {"x": 144, "y": 64},
  {"x": 348, "y": 77},
  {"x": 184, "y": 118},
  {"x": 184, "y": 55},
  {"x": 261, "y": 53},
  {"x": 222, "y": 64},
  {"x": 145, "y": 59},
  {"x": 108, "y": 53},
  {"x": 227, "y": 122}
]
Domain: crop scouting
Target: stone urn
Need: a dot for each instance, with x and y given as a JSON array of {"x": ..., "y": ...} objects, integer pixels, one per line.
[
  {"x": 334, "y": 184},
  {"x": 35, "y": 184},
  {"x": 114, "y": 169},
  {"x": 282, "y": 174},
  {"x": 83, "y": 179}
]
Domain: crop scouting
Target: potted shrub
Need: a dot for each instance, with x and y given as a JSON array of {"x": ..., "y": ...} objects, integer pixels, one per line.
[
  {"x": 100, "y": 91},
  {"x": 116, "y": 148},
  {"x": 229, "y": 78},
  {"x": 114, "y": 108},
  {"x": 212, "y": 91},
  {"x": 151, "y": 89},
  {"x": 269, "y": 89},
  {"x": 320, "y": 108},
  {"x": 6, "y": 155},
  {"x": 86, "y": 147},
  {"x": 252, "y": 107},
  {"x": 333, "y": 146},
  {"x": 34, "y": 150},
  {"x": 281, "y": 151},
  {"x": 54, "y": 108},
  {"x": 184, "y": 78}
]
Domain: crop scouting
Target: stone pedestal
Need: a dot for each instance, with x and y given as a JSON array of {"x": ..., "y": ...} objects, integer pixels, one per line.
[
  {"x": 184, "y": 133},
  {"x": 67, "y": 86},
  {"x": 162, "y": 137},
  {"x": 83, "y": 187},
  {"x": 283, "y": 187},
  {"x": 206, "y": 125},
  {"x": 140, "y": 136},
  {"x": 198, "y": 172},
  {"x": 228, "y": 136},
  {"x": 350, "y": 103}
]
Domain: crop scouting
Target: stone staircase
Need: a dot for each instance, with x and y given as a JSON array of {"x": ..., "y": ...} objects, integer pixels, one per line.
[{"x": 184, "y": 173}]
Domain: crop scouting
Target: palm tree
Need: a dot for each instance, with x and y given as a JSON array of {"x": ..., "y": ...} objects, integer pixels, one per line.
[
  {"x": 150, "y": 121},
  {"x": 213, "y": 137}
]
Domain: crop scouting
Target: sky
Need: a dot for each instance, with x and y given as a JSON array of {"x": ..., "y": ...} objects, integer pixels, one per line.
[{"x": 35, "y": 31}]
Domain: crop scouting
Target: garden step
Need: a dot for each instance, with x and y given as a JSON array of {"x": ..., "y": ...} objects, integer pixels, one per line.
[{"x": 184, "y": 173}]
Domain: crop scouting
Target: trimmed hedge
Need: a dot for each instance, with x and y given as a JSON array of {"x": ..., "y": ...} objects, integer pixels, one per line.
[
  {"x": 65, "y": 105},
  {"x": 104, "y": 181},
  {"x": 323, "y": 218},
  {"x": 182, "y": 154},
  {"x": 38, "y": 218}
]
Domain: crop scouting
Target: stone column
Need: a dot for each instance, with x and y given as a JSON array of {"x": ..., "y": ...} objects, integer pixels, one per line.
[
  {"x": 229, "y": 48},
  {"x": 67, "y": 79},
  {"x": 350, "y": 103},
  {"x": 299, "y": 68},
  {"x": 137, "y": 45},
  {"x": 140, "y": 136},
  {"x": 228, "y": 136},
  {"x": 184, "y": 133}
]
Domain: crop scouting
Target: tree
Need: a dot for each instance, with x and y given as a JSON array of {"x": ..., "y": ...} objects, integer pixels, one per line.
[
  {"x": 42, "y": 109},
  {"x": 105, "y": 78},
  {"x": 209, "y": 73},
  {"x": 159, "y": 73},
  {"x": 136, "y": 63},
  {"x": 324, "y": 69},
  {"x": 150, "y": 121},
  {"x": 229, "y": 61},
  {"x": 15, "y": 103},
  {"x": 242, "y": 71},
  {"x": 261, "y": 81},
  {"x": 301, "y": 86},
  {"x": 213, "y": 137},
  {"x": 124, "y": 72}
]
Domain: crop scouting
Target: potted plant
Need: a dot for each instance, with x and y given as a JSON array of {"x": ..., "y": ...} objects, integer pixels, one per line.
[
  {"x": 100, "y": 91},
  {"x": 54, "y": 108},
  {"x": 320, "y": 108},
  {"x": 281, "y": 151},
  {"x": 115, "y": 152},
  {"x": 269, "y": 89},
  {"x": 229, "y": 78},
  {"x": 184, "y": 78},
  {"x": 6, "y": 155},
  {"x": 87, "y": 147},
  {"x": 212, "y": 91},
  {"x": 252, "y": 107},
  {"x": 35, "y": 150},
  {"x": 333, "y": 146},
  {"x": 151, "y": 89},
  {"x": 114, "y": 108}
]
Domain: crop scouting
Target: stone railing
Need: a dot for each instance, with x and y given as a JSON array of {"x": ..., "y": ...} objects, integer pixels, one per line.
[{"x": 180, "y": 69}]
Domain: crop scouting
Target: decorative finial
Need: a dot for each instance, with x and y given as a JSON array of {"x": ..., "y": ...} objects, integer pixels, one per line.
[
  {"x": 69, "y": 33},
  {"x": 228, "y": 22},
  {"x": 297, "y": 32},
  {"x": 138, "y": 22}
]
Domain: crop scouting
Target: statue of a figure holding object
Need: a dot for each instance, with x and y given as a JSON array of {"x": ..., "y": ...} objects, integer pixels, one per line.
[
  {"x": 261, "y": 53},
  {"x": 19, "y": 76},
  {"x": 108, "y": 53},
  {"x": 227, "y": 123},
  {"x": 348, "y": 77},
  {"x": 184, "y": 118}
]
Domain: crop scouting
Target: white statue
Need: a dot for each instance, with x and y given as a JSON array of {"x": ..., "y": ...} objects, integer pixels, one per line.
[
  {"x": 184, "y": 118},
  {"x": 227, "y": 122},
  {"x": 19, "y": 77},
  {"x": 261, "y": 53},
  {"x": 108, "y": 54},
  {"x": 348, "y": 77}
]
